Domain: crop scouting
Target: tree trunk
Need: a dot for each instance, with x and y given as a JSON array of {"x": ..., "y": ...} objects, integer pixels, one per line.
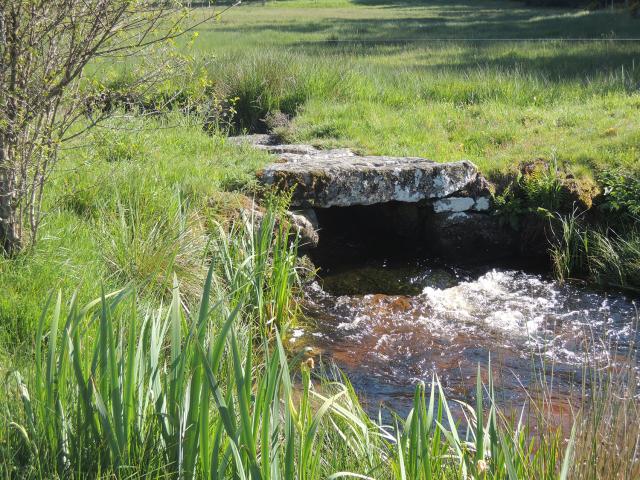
[{"x": 10, "y": 226}]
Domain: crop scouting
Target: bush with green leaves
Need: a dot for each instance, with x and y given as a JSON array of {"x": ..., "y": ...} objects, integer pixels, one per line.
[
  {"x": 539, "y": 187},
  {"x": 621, "y": 191}
]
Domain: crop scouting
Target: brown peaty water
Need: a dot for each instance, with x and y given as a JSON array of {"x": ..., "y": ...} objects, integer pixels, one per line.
[{"x": 426, "y": 320}]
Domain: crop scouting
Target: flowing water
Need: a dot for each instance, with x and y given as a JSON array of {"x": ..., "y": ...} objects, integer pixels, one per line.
[{"x": 390, "y": 326}]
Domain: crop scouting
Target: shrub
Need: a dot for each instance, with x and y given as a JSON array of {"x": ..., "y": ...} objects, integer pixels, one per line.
[
  {"x": 621, "y": 192},
  {"x": 543, "y": 187}
]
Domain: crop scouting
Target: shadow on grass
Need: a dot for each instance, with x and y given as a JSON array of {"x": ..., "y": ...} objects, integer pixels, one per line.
[
  {"x": 484, "y": 34},
  {"x": 583, "y": 61},
  {"x": 462, "y": 23}
]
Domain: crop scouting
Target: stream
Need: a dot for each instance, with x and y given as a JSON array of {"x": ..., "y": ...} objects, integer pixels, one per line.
[{"x": 388, "y": 325}]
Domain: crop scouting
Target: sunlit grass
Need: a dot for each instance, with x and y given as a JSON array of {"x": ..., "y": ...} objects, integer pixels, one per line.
[
  {"x": 112, "y": 220},
  {"x": 158, "y": 381},
  {"x": 494, "y": 82},
  {"x": 392, "y": 79}
]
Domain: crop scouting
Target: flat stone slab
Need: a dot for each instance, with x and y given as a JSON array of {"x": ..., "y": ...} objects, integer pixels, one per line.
[
  {"x": 340, "y": 178},
  {"x": 342, "y": 181}
]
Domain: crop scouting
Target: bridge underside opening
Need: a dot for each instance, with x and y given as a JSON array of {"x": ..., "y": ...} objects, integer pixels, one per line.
[
  {"x": 402, "y": 231},
  {"x": 358, "y": 233}
]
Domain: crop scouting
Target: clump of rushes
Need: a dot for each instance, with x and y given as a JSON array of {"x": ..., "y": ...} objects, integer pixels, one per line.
[
  {"x": 142, "y": 244},
  {"x": 155, "y": 397},
  {"x": 256, "y": 260},
  {"x": 608, "y": 433},
  {"x": 602, "y": 256},
  {"x": 430, "y": 443}
]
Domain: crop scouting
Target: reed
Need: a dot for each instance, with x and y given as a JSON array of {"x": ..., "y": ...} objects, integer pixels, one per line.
[
  {"x": 601, "y": 255},
  {"x": 168, "y": 394},
  {"x": 608, "y": 433},
  {"x": 172, "y": 395}
]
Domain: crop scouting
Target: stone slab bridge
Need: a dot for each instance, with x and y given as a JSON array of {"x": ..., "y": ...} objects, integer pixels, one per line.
[{"x": 445, "y": 206}]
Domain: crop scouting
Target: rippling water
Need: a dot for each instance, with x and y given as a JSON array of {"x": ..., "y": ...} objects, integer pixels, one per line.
[{"x": 450, "y": 321}]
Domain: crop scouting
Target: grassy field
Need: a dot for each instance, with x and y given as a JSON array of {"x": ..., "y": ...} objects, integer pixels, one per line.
[
  {"x": 142, "y": 198},
  {"x": 493, "y": 82}
]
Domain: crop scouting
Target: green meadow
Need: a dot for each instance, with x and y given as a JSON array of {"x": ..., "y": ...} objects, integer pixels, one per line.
[
  {"x": 146, "y": 321},
  {"x": 493, "y": 82}
]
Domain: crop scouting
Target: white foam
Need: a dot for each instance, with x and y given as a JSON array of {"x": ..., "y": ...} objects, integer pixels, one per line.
[{"x": 503, "y": 309}]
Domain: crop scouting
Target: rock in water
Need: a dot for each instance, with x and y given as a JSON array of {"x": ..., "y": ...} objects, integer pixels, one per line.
[{"x": 305, "y": 224}]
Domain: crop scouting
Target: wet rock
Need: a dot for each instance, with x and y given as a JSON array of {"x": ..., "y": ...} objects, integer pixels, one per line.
[
  {"x": 305, "y": 223},
  {"x": 387, "y": 276},
  {"x": 391, "y": 304}
]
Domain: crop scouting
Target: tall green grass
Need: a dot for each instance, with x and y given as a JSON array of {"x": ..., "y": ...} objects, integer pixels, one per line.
[
  {"x": 179, "y": 396},
  {"x": 142, "y": 246},
  {"x": 113, "y": 391},
  {"x": 601, "y": 255},
  {"x": 495, "y": 82},
  {"x": 257, "y": 264},
  {"x": 607, "y": 435},
  {"x": 212, "y": 393},
  {"x": 111, "y": 218}
]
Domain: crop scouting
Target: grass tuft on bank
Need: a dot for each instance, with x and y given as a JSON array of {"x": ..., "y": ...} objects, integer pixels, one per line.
[{"x": 112, "y": 219}]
